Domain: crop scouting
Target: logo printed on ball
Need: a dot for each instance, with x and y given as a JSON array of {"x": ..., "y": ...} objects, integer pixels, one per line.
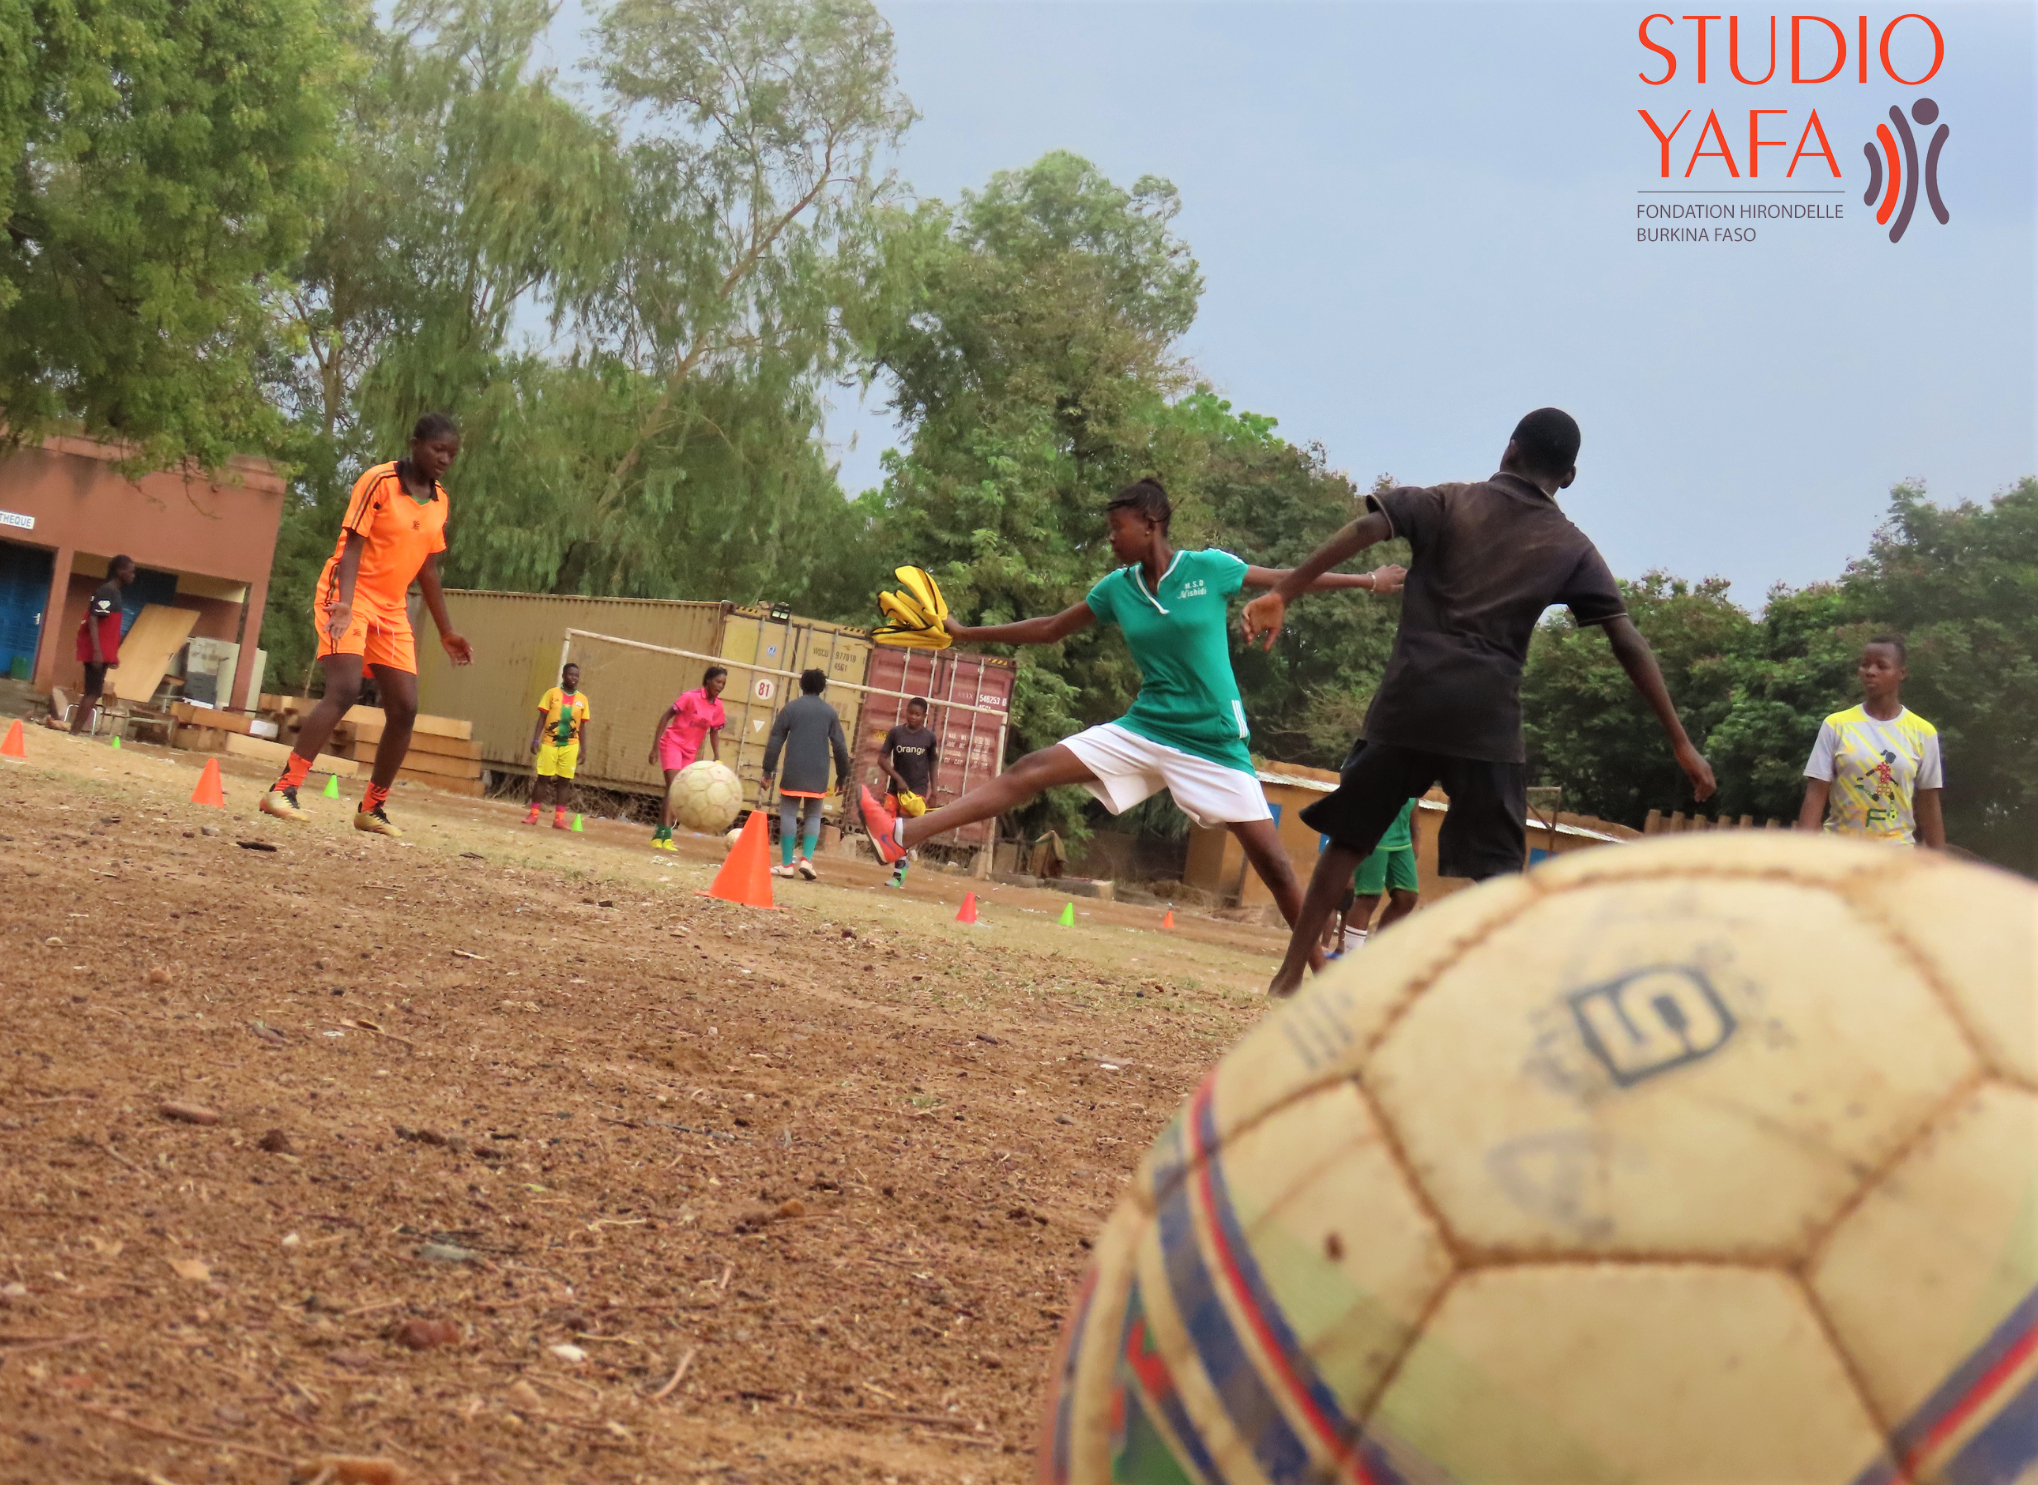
[{"x": 1651, "y": 1021}]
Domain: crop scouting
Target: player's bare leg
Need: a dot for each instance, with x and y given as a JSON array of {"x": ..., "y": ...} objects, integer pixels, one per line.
[
  {"x": 1047, "y": 769},
  {"x": 343, "y": 689},
  {"x": 1262, "y": 842},
  {"x": 1334, "y": 867},
  {"x": 398, "y": 690}
]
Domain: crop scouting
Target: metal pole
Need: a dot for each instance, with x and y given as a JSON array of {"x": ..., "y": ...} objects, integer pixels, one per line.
[{"x": 636, "y": 644}]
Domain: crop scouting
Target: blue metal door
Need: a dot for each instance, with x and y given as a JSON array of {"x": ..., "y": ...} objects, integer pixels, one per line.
[{"x": 24, "y": 589}]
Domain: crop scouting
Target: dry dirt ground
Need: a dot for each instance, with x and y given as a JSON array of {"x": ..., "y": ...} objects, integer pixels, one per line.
[{"x": 833, "y": 1167}]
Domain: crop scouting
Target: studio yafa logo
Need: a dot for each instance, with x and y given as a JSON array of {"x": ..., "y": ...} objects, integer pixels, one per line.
[{"x": 1903, "y": 169}]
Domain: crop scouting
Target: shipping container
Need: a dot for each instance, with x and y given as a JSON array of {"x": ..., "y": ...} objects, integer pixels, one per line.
[
  {"x": 758, "y": 643},
  {"x": 971, "y": 742},
  {"x": 517, "y": 639}
]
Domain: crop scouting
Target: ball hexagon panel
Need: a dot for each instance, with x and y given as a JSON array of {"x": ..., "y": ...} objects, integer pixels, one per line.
[
  {"x": 1607, "y": 1374},
  {"x": 706, "y": 796},
  {"x": 1279, "y": 1279},
  {"x": 1701, "y": 1066},
  {"x": 1931, "y": 1287},
  {"x": 1773, "y": 855},
  {"x": 1978, "y": 932},
  {"x": 1320, "y": 1035}
]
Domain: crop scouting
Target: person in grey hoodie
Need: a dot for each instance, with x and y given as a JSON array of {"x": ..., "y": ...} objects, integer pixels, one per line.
[{"x": 807, "y": 731}]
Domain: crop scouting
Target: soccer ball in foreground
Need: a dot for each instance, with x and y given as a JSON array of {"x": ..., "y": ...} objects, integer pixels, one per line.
[
  {"x": 706, "y": 797},
  {"x": 1711, "y": 1161}
]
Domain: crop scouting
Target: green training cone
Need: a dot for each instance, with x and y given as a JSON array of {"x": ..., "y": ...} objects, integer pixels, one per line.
[
  {"x": 332, "y": 789},
  {"x": 116, "y": 739},
  {"x": 576, "y": 822},
  {"x": 1068, "y": 915}
]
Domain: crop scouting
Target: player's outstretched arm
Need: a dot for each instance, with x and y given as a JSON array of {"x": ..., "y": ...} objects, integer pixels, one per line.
[
  {"x": 457, "y": 649},
  {"x": 665, "y": 721},
  {"x": 1042, "y": 631},
  {"x": 1266, "y": 613},
  {"x": 1387, "y": 579},
  {"x": 1639, "y": 661}
]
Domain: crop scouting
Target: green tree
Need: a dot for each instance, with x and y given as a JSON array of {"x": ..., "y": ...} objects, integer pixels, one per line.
[
  {"x": 466, "y": 187},
  {"x": 161, "y": 163},
  {"x": 1029, "y": 364},
  {"x": 1961, "y": 584},
  {"x": 1589, "y": 732},
  {"x": 749, "y": 232},
  {"x": 1794, "y": 668}
]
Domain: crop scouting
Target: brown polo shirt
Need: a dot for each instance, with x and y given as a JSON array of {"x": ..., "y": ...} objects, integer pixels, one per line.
[{"x": 1489, "y": 559}]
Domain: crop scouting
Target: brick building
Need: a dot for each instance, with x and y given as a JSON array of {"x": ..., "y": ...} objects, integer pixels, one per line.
[{"x": 200, "y": 543}]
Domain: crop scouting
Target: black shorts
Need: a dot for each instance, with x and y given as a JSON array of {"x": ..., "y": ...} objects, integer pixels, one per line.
[
  {"x": 95, "y": 678},
  {"x": 1485, "y": 833}
]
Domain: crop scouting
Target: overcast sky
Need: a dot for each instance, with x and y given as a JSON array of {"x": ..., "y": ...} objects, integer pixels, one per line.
[{"x": 1417, "y": 221}]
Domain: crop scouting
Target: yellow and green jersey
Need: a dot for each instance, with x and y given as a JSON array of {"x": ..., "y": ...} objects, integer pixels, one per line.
[
  {"x": 1876, "y": 768},
  {"x": 565, "y": 715}
]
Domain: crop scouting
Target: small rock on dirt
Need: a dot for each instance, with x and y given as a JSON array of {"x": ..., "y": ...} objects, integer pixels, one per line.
[
  {"x": 157, "y": 975},
  {"x": 207, "y": 830},
  {"x": 254, "y": 845},
  {"x": 338, "y": 1469},
  {"x": 792, "y": 1207},
  {"x": 567, "y": 1351},
  {"x": 276, "y": 1142},
  {"x": 187, "y": 1113},
  {"x": 445, "y": 1253},
  {"x": 524, "y": 1397},
  {"x": 423, "y": 1335}
]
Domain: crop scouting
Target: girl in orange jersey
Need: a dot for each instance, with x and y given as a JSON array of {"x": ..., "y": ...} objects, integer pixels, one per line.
[{"x": 392, "y": 536}]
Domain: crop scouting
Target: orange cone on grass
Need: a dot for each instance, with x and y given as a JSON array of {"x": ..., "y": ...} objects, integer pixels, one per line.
[
  {"x": 209, "y": 790},
  {"x": 14, "y": 746},
  {"x": 968, "y": 911},
  {"x": 745, "y": 876},
  {"x": 1168, "y": 917}
]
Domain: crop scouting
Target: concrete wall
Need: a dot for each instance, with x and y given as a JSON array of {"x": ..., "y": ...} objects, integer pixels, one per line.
[{"x": 218, "y": 532}]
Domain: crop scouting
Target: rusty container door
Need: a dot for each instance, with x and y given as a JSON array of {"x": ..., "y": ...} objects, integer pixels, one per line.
[
  {"x": 971, "y": 743},
  {"x": 755, "y": 638}
]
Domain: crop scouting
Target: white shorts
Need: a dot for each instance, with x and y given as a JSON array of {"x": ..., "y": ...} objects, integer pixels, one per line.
[{"x": 1130, "y": 768}]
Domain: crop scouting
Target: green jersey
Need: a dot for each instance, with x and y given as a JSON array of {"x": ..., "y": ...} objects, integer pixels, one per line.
[{"x": 1188, "y": 698}]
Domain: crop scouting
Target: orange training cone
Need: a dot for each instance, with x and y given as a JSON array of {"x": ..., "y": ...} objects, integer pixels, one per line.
[
  {"x": 1168, "y": 917},
  {"x": 208, "y": 790},
  {"x": 14, "y": 747},
  {"x": 745, "y": 876},
  {"x": 968, "y": 912}
]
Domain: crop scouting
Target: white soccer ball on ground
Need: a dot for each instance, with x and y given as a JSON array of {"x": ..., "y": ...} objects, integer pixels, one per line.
[
  {"x": 706, "y": 797},
  {"x": 1710, "y": 1159}
]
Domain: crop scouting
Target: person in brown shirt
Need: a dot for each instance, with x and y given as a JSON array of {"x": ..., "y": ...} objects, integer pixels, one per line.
[{"x": 1489, "y": 558}]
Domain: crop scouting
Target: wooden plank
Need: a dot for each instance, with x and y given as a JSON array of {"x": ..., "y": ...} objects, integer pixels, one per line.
[
  {"x": 424, "y": 763},
  {"x": 423, "y": 742},
  {"x": 246, "y": 723},
  {"x": 275, "y": 752},
  {"x": 453, "y": 727},
  {"x": 158, "y": 633},
  {"x": 200, "y": 739}
]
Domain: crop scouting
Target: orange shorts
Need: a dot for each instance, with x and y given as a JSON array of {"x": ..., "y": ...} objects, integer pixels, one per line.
[{"x": 380, "y": 636}]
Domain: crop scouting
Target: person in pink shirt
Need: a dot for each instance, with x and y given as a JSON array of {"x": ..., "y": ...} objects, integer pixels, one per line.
[{"x": 693, "y": 716}]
